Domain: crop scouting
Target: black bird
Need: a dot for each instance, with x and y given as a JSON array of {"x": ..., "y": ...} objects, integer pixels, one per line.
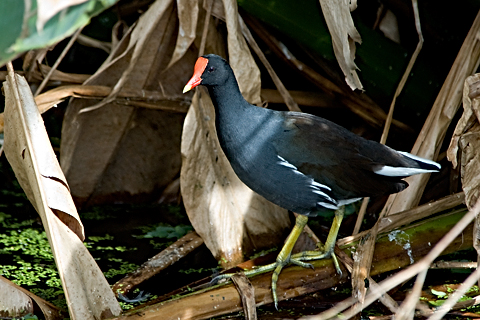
[{"x": 299, "y": 161}]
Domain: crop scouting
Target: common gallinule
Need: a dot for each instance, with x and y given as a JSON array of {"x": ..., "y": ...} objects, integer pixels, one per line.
[{"x": 299, "y": 161}]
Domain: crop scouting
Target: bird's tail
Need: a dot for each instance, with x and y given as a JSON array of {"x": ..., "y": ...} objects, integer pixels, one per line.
[{"x": 416, "y": 165}]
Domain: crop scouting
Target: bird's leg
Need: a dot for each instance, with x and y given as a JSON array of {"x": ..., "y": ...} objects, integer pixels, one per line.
[
  {"x": 283, "y": 258},
  {"x": 329, "y": 244}
]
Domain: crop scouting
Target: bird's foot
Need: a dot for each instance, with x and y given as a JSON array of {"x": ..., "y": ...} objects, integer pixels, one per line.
[
  {"x": 296, "y": 259},
  {"x": 248, "y": 273},
  {"x": 318, "y": 255}
]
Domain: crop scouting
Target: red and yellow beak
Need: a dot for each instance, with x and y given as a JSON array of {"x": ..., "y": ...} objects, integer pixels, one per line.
[{"x": 196, "y": 79}]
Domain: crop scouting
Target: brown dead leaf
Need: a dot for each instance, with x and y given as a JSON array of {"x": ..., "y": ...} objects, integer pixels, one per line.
[
  {"x": 389, "y": 26},
  {"x": 17, "y": 302},
  {"x": 31, "y": 156},
  {"x": 124, "y": 152},
  {"x": 344, "y": 35},
  {"x": 467, "y": 138}
]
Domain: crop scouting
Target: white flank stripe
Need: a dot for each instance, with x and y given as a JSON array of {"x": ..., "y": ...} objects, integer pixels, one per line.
[
  {"x": 420, "y": 159},
  {"x": 319, "y": 185},
  {"x": 320, "y": 193},
  {"x": 285, "y": 163},
  {"x": 400, "y": 171},
  {"x": 327, "y": 205},
  {"x": 316, "y": 187}
]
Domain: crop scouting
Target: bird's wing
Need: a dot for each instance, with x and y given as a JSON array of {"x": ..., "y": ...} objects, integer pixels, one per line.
[{"x": 336, "y": 157}]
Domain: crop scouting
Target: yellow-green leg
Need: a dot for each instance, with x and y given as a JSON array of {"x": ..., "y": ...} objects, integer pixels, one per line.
[
  {"x": 329, "y": 244},
  {"x": 285, "y": 257}
]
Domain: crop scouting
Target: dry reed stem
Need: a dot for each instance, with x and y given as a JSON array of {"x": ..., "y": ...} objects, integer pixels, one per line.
[
  {"x": 167, "y": 257},
  {"x": 247, "y": 293},
  {"x": 454, "y": 265},
  {"x": 385, "y": 299},
  {"x": 57, "y": 75}
]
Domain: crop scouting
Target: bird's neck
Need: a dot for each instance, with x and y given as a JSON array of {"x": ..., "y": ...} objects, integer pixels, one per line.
[
  {"x": 236, "y": 120},
  {"x": 228, "y": 100}
]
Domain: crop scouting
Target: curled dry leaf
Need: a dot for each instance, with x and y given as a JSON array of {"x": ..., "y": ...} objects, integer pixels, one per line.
[
  {"x": 344, "y": 35},
  {"x": 124, "y": 152},
  {"x": 17, "y": 302},
  {"x": 31, "y": 156},
  {"x": 467, "y": 137},
  {"x": 25, "y": 134}
]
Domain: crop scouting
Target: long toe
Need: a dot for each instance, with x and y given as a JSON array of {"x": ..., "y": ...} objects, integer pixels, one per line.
[{"x": 301, "y": 263}]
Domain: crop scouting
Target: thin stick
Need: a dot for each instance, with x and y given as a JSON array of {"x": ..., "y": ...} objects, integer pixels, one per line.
[{"x": 55, "y": 65}]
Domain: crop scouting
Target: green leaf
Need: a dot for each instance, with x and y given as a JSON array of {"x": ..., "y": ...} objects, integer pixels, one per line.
[{"x": 19, "y": 31}]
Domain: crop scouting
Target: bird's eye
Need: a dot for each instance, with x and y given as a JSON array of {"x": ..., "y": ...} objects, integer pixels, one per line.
[{"x": 211, "y": 69}]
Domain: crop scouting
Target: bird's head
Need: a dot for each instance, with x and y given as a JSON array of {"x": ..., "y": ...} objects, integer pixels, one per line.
[{"x": 209, "y": 70}]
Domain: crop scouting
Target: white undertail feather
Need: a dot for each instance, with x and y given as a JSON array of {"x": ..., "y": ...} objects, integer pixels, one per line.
[
  {"x": 400, "y": 171},
  {"x": 405, "y": 172},
  {"x": 420, "y": 159}
]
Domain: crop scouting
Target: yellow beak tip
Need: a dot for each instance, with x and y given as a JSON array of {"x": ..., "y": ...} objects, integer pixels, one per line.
[{"x": 187, "y": 88}]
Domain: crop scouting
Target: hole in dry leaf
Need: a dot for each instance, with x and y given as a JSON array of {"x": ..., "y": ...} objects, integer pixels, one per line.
[
  {"x": 58, "y": 180},
  {"x": 23, "y": 154}
]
